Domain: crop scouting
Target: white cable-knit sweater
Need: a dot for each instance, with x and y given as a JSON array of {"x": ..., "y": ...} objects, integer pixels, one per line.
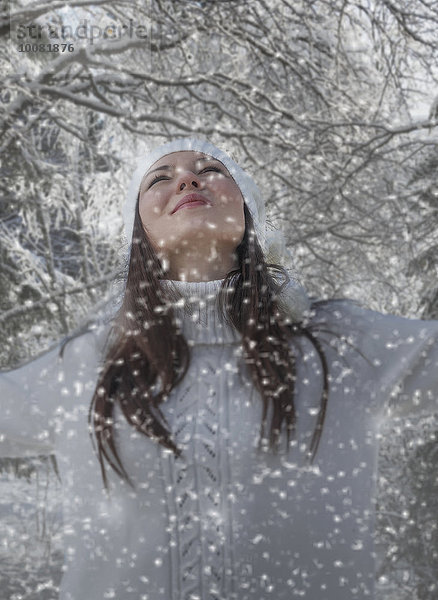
[{"x": 226, "y": 520}]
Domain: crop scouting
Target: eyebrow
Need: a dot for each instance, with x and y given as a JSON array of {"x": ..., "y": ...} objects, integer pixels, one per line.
[{"x": 161, "y": 168}]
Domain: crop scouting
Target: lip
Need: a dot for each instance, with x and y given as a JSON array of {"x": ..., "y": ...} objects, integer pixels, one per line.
[{"x": 189, "y": 198}]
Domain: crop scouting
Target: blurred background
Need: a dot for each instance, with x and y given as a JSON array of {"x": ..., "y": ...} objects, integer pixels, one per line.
[{"x": 332, "y": 106}]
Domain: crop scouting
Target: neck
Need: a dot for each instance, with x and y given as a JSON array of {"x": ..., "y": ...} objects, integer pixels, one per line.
[
  {"x": 195, "y": 305},
  {"x": 195, "y": 265}
]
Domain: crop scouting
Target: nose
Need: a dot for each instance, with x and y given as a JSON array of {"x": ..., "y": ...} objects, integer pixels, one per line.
[{"x": 187, "y": 179}]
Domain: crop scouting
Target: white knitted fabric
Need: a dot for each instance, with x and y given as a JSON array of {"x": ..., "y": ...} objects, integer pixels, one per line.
[
  {"x": 225, "y": 521},
  {"x": 294, "y": 299}
]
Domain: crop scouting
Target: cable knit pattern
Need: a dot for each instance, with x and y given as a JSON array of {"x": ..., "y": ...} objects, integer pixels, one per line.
[{"x": 200, "y": 516}]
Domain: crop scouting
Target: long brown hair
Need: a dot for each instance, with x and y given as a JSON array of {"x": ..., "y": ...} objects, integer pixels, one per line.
[{"x": 145, "y": 336}]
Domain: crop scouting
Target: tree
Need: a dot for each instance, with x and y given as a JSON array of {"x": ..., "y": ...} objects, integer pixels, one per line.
[
  {"x": 314, "y": 97},
  {"x": 407, "y": 510}
]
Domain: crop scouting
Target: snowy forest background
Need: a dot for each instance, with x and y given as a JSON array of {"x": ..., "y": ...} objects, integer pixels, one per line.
[{"x": 332, "y": 105}]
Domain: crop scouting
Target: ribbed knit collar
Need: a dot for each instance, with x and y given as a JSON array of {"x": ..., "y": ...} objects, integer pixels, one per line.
[{"x": 195, "y": 304}]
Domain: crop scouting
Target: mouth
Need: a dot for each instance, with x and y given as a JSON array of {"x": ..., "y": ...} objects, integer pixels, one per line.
[{"x": 190, "y": 200}]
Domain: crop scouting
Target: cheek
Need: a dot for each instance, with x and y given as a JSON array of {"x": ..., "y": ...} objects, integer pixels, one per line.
[
  {"x": 233, "y": 217},
  {"x": 149, "y": 209},
  {"x": 229, "y": 193},
  {"x": 232, "y": 203}
]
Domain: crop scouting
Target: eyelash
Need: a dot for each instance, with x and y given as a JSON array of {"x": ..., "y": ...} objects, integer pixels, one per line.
[{"x": 165, "y": 178}]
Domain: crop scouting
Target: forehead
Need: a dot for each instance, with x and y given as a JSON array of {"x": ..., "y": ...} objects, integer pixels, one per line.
[{"x": 181, "y": 159}]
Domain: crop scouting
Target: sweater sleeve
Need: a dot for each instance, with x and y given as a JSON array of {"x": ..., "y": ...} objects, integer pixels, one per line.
[
  {"x": 409, "y": 367},
  {"x": 398, "y": 357},
  {"x": 34, "y": 397},
  {"x": 27, "y": 395}
]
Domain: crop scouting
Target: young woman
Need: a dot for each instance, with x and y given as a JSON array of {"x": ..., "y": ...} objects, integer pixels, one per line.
[{"x": 218, "y": 438}]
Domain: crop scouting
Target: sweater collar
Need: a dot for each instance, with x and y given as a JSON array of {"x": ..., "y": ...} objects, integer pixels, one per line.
[{"x": 195, "y": 305}]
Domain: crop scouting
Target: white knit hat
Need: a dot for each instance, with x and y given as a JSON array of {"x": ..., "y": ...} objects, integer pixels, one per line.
[
  {"x": 248, "y": 188},
  {"x": 294, "y": 298}
]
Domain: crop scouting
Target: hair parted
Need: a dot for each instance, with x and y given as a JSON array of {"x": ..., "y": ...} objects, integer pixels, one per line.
[{"x": 137, "y": 372}]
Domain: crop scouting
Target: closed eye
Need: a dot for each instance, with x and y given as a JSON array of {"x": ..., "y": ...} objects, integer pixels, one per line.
[
  {"x": 167, "y": 178},
  {"x": 157, "y": 178},
  {"x": 211, "y": 169}
]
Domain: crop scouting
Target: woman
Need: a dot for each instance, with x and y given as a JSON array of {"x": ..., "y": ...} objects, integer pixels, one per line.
[{"x": 235, "y": 424}]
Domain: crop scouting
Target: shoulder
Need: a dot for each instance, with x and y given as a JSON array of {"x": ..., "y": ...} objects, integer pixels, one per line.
[
  {"x": 350, "y": 314},
  {"x": 87, "y": 340},
  {"x": 342, "y": 317},
  {"x": 371, "y": 331}
]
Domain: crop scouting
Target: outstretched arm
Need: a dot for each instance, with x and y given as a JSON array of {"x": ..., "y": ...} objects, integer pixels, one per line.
[
  {"x": 37, "y": 398},
  {"x": 404, "y": 354},
  {"x": 394, "y": 357},
  {"x": 27, "y": 397}
]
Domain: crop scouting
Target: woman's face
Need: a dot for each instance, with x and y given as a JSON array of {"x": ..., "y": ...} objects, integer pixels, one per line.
[{"x": 190, "y": 198}]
